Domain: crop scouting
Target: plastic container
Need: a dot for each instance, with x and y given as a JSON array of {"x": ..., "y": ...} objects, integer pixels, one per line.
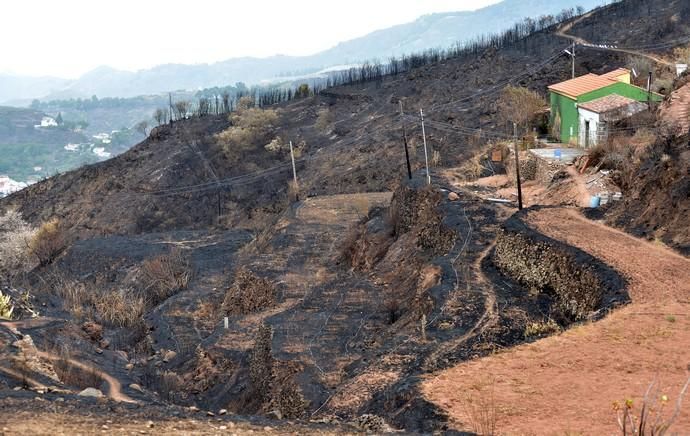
[{"x": 594, "y": 201}]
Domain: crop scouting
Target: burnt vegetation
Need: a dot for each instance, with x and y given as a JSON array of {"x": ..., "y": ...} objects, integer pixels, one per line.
[
  {"x": 322, "y": 291},
  {"x": 249, "y": 293}
]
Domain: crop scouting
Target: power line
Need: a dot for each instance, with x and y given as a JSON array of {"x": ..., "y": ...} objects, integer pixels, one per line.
[
  {"x": 666, "y": 44},
  {"x": 498, "y": 87}
]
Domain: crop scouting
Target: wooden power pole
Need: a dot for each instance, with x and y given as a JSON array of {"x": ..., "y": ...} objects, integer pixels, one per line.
[
  {"x": 170, "y": 108},
  {"x": 573, "y": 59},
  {"x": 517, "y": 166},
  {"x": 407, "y": 153},
  {"x": 426, "y": 154},
  {"x": 649, "y": 90}
]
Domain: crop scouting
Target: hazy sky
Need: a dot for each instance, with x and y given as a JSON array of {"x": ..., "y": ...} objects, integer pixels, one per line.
[{"x": 69, "y": 37}]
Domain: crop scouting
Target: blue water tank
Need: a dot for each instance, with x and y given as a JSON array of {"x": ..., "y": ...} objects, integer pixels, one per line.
[{"x": 594, "y": 202}]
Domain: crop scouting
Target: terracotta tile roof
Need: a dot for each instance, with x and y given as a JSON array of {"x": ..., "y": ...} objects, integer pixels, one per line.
[
  {"x": 581, "y": 85},
  {"x": 608, "y": 103},
  {"x": 616, "y": 73}
]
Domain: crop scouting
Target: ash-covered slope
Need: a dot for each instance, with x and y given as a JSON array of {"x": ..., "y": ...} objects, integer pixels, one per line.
[
  {"x": 657, "y": 195},
  {"x": 360, "y": 150},
  {"x": 130, "y": 193}
]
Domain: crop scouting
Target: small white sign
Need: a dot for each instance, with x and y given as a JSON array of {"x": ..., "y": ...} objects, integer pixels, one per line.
[{"x": 681, "y": 68}]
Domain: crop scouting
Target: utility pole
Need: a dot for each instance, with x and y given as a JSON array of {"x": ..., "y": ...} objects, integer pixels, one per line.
[
  {"x": 649, "y": 90},
  {"x": 571, "y": 53},
  {"x": 426, "y": 154},
  {"x": 517, "y": 166},
  {"x": 573, "y": 59},
  {"x": 407, "y": 153},
  {"x": 294, "y": 171},
  {"x": 171, "y": 108}
]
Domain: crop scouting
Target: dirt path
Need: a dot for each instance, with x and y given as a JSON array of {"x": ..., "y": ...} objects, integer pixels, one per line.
[
  {"x": 567, "y": 383},
  {"x": 323, "y": 310},
  {"x": 563, "y": 32},
  {"x": 114, "y": 391},
  {"x": 466, "y": 307},
  {"x": 114, "y": 386}
]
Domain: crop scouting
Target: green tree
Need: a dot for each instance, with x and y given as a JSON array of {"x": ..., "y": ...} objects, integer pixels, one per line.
[{"x": 303, "y": 91}]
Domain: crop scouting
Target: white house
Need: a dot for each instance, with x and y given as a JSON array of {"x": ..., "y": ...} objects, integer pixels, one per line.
[
  {"x": 46, "y": 122},
  {"x": 597, "y": 115}
]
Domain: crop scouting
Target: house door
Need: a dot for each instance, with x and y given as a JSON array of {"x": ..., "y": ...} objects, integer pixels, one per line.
[{"x": 587, "y": 134}]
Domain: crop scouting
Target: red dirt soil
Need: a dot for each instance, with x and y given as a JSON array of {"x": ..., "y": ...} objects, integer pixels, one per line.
[{"x": 568, "y": 382}]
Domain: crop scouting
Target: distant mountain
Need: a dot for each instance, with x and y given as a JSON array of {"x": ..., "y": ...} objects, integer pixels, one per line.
[
  {"x": 444, "y": 30},
  {"x": 14, "y": 87},
  {"x": 429, "y": 31}
]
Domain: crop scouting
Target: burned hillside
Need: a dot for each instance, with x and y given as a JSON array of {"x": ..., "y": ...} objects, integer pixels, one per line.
[
  {"x": 192, "y": 273},
  {"x": 348, "y": 139}
]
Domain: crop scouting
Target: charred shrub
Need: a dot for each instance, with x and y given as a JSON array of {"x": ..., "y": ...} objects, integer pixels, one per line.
[
  {"x": 289, "y": 401},
  {"x": 15, "y": 237},
  {"x": 261, "y": 363},
  {"x": 248, "y": 294},
  {"x": 367, "y": 241},
  {"x": 164, "y": 276},
  {"x": 48, "y": 242}
]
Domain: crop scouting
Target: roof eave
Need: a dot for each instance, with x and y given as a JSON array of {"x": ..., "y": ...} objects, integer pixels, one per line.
[{"x": 564, "y": 94}]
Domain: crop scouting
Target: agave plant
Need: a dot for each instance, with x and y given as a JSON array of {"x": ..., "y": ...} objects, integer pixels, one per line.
[{"x": 6, "y": 307}]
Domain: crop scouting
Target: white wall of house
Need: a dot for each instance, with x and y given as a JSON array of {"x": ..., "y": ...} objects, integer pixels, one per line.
[
  {"x": 594, "y": 125},
  {"x": 48, "y": 122}
]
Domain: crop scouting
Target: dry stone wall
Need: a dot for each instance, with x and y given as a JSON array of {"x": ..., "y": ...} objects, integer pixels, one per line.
[{"x": 580, "y": 285}]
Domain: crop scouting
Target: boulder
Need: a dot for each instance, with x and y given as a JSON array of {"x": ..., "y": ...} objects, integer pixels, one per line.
[
  {"x": 91, "y": 392},
  {"x": 169, "y": 355}
]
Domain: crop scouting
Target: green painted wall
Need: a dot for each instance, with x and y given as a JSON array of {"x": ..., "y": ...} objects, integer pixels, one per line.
[
  {"x": 566, "y": 107},
  {"x": 565, "y": 110}
]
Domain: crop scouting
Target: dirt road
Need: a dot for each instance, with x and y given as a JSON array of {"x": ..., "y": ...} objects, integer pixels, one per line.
[
  {"x": 567, "y": 383},
  {"x": 563, "y": 32}
]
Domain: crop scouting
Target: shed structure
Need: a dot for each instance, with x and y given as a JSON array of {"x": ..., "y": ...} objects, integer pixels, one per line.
[{"x": 596, "y": 116}]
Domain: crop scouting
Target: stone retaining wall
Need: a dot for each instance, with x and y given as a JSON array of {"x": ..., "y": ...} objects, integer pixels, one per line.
[
  {"x": 579, "y": 284},
  {"x": 535, "y": 168}
]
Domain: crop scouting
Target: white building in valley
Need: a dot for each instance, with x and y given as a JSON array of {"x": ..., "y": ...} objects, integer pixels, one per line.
[{"x": 46, "y": 122}]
